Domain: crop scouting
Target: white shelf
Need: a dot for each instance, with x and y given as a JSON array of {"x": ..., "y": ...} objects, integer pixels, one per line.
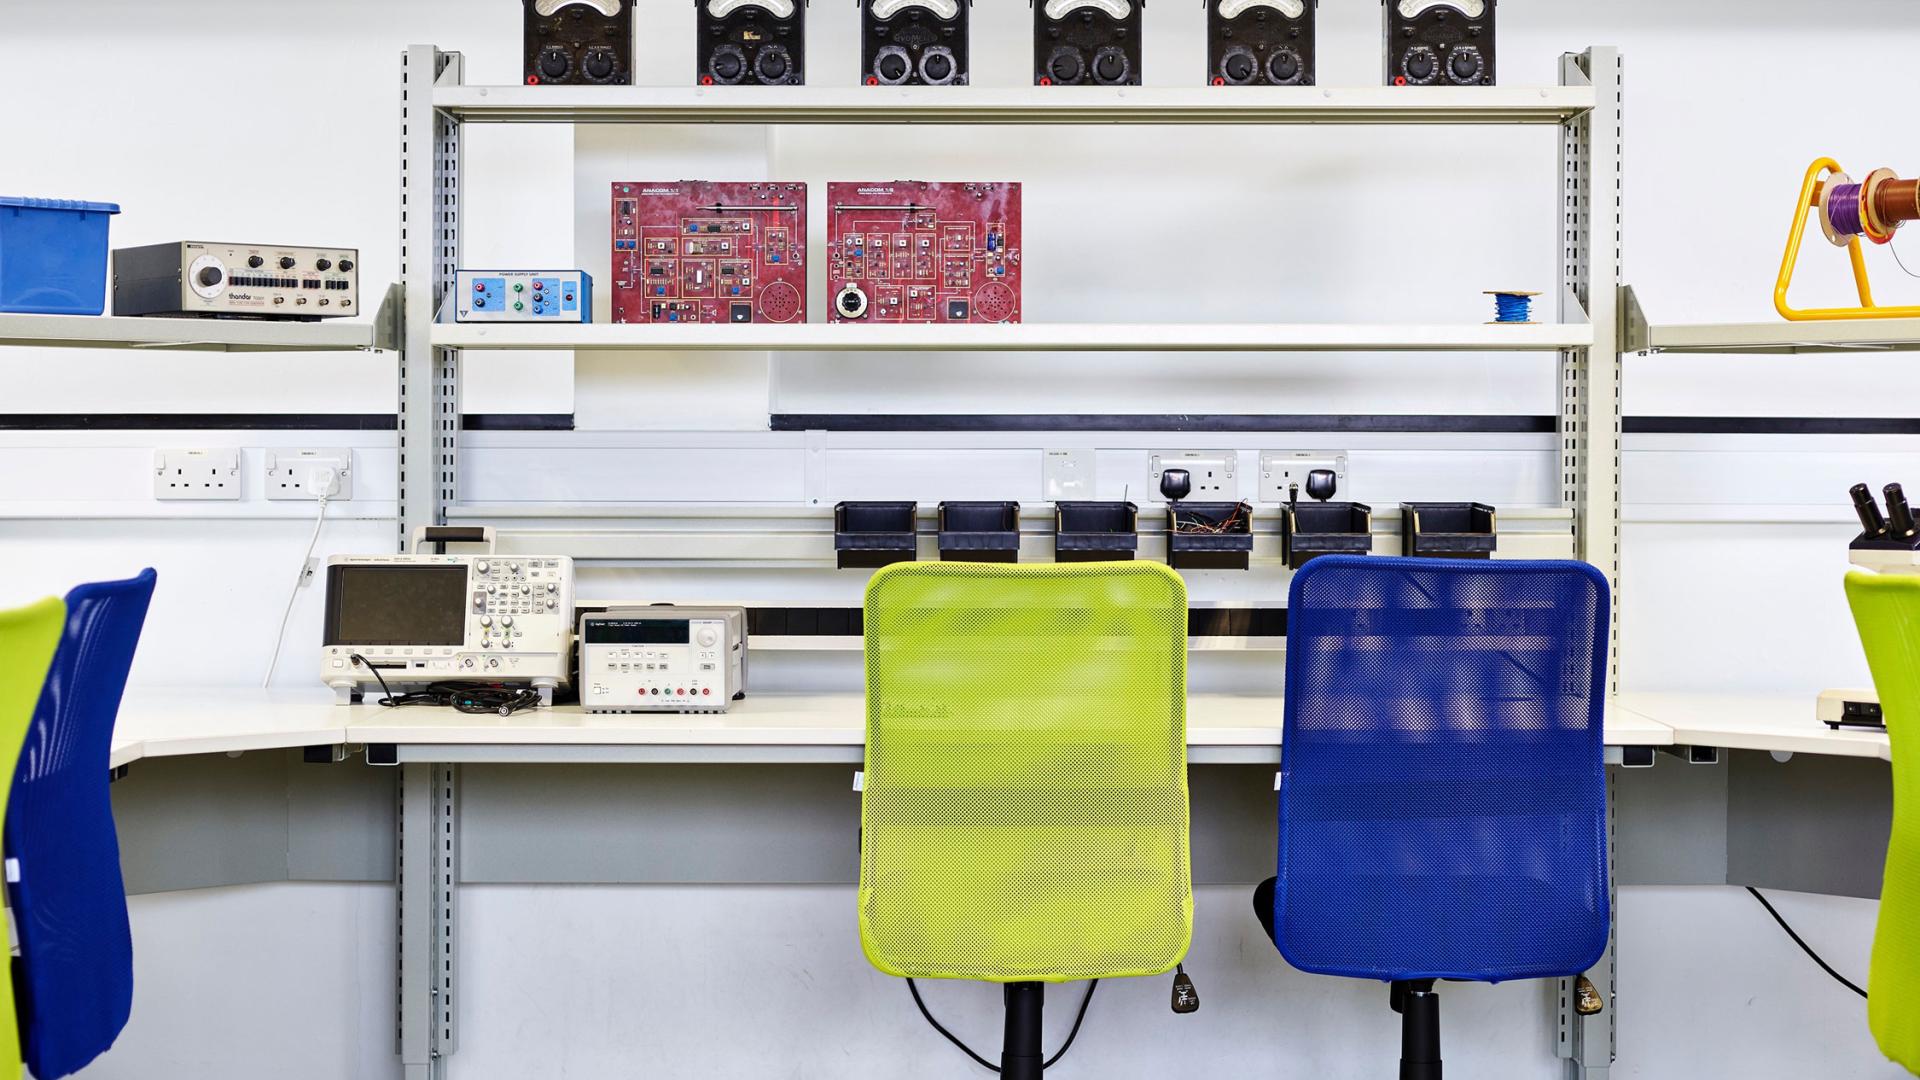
[
  {"x": 1029, "y": 105},
  {"x": 196, "y": 335},
  {"x": 1027, "y": 337},
  {"x": 1782, "y": 337}
]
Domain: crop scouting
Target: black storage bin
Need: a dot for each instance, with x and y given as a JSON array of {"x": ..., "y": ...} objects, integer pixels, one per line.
[
  {"x": 980, "y": 531},
  {"x": 871, "y": 534},
  {"x": 1326, "y": 528},
  {"x": 1448, "y": 530},
  {"x": 1095, "y": 531},
  {"x": 1230, "y": 549}
]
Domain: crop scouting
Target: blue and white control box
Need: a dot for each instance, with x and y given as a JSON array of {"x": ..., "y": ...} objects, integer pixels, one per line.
[{"x": 523, "y": 296}]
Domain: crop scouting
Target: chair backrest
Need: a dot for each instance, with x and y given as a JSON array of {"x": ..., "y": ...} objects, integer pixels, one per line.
[
  {"x": 1887, "y": 609},
  {"x": 1024, "y": 815},
  {"x": 29, "y": 637},
  {"x": 75, "y": 979},
  {"x": 1443, "y": 788}
]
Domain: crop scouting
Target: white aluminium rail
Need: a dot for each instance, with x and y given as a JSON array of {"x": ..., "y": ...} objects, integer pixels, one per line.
[
  {"x": 1028, "y": 105},
  {"x": 1022, "y": 337}
]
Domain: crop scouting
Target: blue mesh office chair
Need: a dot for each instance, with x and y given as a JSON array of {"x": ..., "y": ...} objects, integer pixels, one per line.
[
  {"x": 74, "y": 975},
  {"x": 1443, "y": 787}
]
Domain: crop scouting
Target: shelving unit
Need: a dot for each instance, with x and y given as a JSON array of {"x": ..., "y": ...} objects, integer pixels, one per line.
[
  {"x": 436, "y": 105},
  {"x": 201, "y": 335}
]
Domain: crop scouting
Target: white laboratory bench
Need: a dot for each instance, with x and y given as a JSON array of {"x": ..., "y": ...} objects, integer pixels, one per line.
[
  {"x": 770, "y": 728},
  {"x": 1777, "y": 723}
]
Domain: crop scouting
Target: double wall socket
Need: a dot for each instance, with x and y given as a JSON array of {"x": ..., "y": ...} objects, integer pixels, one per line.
[
  {"x": 1066, "y": 475},
  {"x": 196, "y": 474},
  {"x": 1213, "y": 473},
  {"x": 1281, "y": 470},
  {"x": 295, "y": 474}
]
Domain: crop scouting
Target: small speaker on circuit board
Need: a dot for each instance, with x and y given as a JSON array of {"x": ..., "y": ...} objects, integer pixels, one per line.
[
  {"x": 578, "y": 41},
  {"x": 1439, "y": 42},
  {"x": 1260, "y": 42},
  {"x": 755, "y": 42},
  {"x": 1078, "y": 42},
  {"x": 914, "y": 42}
]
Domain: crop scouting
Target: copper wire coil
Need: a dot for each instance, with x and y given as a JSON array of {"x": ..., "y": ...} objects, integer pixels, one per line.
[{"x": 1896, "y": 202}]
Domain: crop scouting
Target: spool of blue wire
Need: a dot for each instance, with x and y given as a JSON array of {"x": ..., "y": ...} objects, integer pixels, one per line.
[{"x": 1512, "y": 307}]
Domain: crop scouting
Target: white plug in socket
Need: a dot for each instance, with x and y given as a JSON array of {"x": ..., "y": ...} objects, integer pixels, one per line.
[
  {"x": 196, "y": 474},
  {"x": 300, "y": 474}
]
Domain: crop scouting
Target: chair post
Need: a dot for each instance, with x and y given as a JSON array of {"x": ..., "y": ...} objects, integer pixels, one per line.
[
  {"x": 1021, "y": 1057},
  {"x": 1419, "y": 1009}
]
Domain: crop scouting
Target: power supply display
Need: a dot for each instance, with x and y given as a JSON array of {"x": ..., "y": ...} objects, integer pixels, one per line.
[
  {"x": 1260, "y": 42},
  {"x": 757, "y": 42},
  {"x": 578, "y": 41},
  {"x": 1439, "y": 42},
  {"x": 917, "y": 252},
  {"x": 523, "y": 296},
  {"x": 699, "y": 252},
  {"x": 914, "y": 42},
  {"x": 1086, "y": 42}
]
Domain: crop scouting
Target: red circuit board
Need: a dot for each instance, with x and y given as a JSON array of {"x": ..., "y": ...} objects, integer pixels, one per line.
[
  {"x": 916, "y": 252},
  {"x": 698, "y": 252}
]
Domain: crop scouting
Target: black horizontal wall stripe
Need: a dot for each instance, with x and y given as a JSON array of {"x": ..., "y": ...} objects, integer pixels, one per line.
[
  {"x": 1412, "y": 424},
  {"x": 198, "y": 422},
  {"x": 517, "y": 422},
  {"x": 1769, "y": 425},
  {"x": 848, "y": 622}
]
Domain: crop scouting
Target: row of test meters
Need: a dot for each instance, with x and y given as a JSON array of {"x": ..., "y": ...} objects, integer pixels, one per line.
[{"x": 400, "y": 623}]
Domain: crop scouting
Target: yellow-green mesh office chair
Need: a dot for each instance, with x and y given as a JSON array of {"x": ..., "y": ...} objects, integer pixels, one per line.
[
  {"x": 1887, "y": 609},
  {"x": 28, "y": 638},
  {"x": 1024, "y": 817}
]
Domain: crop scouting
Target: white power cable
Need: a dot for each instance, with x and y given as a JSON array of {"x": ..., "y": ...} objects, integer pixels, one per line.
[{"x": 324, "y": 480}]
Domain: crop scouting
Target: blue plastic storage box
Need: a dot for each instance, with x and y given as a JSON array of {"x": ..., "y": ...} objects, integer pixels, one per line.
[{"x": 53, "y": 256}]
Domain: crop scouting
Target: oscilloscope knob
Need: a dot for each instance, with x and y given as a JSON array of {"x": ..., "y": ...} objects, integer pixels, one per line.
[
  {"x": 211, "y": 276},
  {"x": 555, "y": 64},
  {"x": 256, "y": 261},
  {"x": 1284, "y": 67},
  {"x": 892, "y": 66},
  {"x": 1238, "y": 66},
  {"x": 773, "y": 65},
  {"x": 1466, "y": 66},
  {"x": 1420, "y": 65},
  {"x": 600, "y": 65},
  {"x": 1066, "y": 65},
  {"x": 286, "y": 262},
  {"x": 708, "y": 638},
  {"x": 323, "y": 264},
  {"x": 483, "y": 566}
]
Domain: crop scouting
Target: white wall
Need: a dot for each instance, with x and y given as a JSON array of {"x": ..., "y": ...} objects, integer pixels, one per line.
[{"x": 233, "y": 119}]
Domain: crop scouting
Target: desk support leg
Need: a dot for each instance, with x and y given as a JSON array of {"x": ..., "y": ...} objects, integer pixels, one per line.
[
  {"x": 1589, "y": 1043},
  {"x": 427, "y": 867}
]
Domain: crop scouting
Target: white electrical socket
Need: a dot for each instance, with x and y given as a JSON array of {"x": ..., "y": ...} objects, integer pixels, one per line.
[
  {"x": 1067, "y": 475},
  {"x": 1280, "y": 470},
  {"x": 196, "y": 474},
  {"x": 1213, "y": 473},
  {"x": 294, "y": 474}
]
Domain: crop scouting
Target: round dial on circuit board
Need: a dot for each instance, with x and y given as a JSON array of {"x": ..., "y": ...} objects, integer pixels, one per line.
[{"x": 208, "y": 276}]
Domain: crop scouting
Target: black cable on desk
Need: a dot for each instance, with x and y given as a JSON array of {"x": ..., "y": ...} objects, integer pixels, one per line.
[
  {"x": 471, "y": 699},
  {"x": 983, "y": 1062},
  {"x": 1804, "y": 947}
]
